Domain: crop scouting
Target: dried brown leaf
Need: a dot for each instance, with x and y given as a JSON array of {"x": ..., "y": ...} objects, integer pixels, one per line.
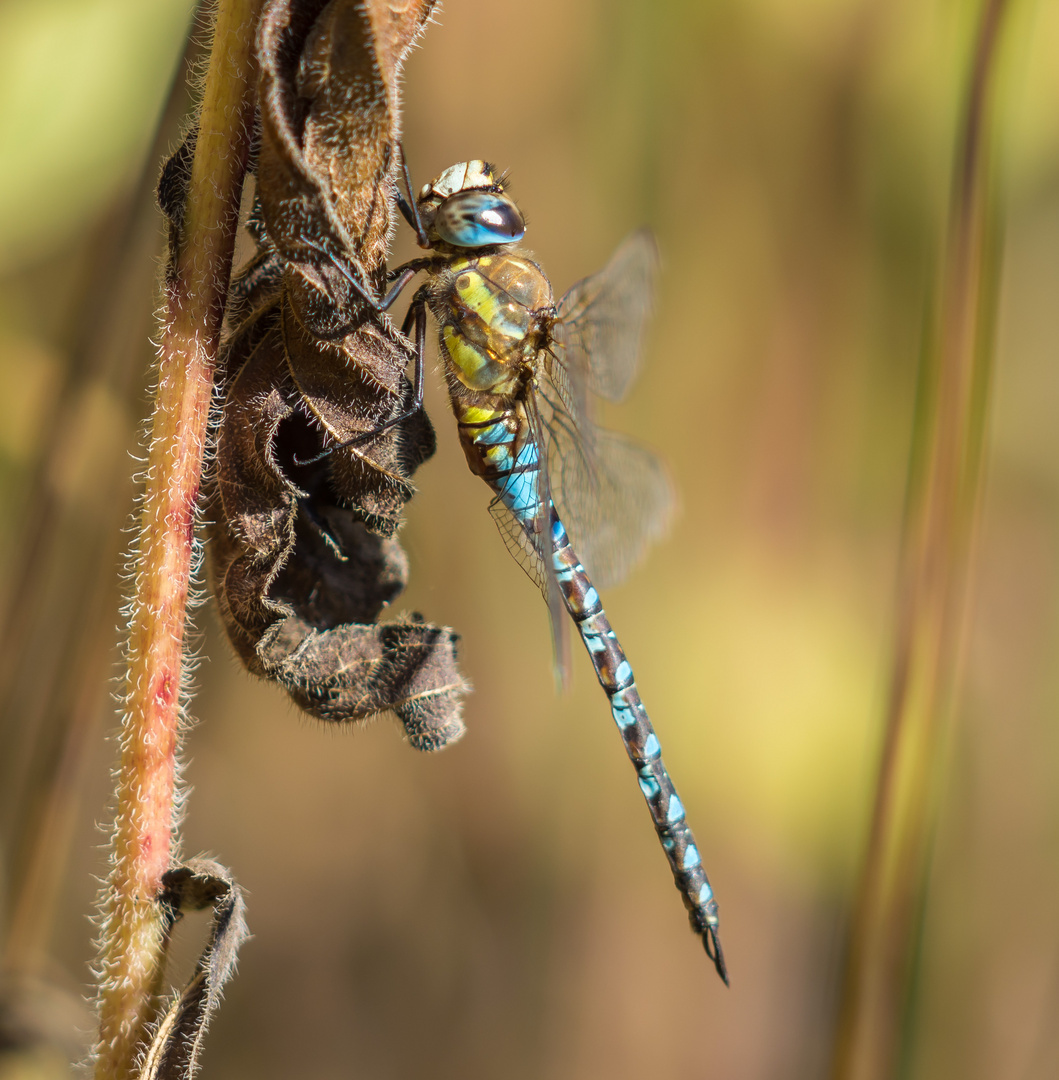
[
  {"x": 303, "y": 558},
  {"x": 176, "y": 1043}
]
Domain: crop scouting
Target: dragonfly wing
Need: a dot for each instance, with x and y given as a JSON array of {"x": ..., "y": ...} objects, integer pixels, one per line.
[
  {"x": 519, "y": 543},
  {"x": 613, "y": 495},
  {"x": 602, "y": 319}
]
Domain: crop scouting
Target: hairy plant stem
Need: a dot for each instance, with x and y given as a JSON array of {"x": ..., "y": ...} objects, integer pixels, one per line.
[
  {"x": 944, "y": 488},
  {"x": 196, "y": 286},
  {"x": 107, "y": 343}
]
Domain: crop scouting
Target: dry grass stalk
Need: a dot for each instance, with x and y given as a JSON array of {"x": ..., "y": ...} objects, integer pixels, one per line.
[{"x": 943, "y": 496}]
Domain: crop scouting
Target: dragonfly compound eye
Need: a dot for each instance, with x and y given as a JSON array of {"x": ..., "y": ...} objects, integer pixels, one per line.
[{"x": 474, "y": 219}]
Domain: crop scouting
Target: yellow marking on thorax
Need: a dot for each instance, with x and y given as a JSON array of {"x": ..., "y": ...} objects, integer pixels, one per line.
[
  {"x": 470, "y": 362},
  {"x": 476, "y": 296}
]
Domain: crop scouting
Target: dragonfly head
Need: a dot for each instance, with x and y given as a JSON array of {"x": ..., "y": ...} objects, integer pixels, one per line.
[{"x": 467, "y": 207}]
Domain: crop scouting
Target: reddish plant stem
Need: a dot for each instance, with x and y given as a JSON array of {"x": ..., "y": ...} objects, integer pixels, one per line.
[{"x": 196, "y": 287}]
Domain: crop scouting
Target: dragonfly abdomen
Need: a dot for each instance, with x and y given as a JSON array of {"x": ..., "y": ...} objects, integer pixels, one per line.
[
  {"x": 509, "y": 465},
  {"x": 638, "y": 735}
]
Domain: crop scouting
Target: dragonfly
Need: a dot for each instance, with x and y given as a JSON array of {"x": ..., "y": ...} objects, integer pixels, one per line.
[{"x": 569, "y": 496}]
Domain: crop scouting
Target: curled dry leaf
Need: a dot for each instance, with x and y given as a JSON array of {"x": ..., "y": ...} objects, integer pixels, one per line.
[
  {"x": 173, "y": 1051},
  {"x": 304, "y": 558}
]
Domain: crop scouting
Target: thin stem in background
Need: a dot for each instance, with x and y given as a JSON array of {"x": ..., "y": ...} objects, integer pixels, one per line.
[
  {"x": 944, "y": 489},
  {"x": 196, "y": 285}
]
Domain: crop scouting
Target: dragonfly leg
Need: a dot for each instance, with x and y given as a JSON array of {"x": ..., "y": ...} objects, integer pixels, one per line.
[
  {"x": 400, "y": 278},
  {"x": 417, "y": 315},
  {"x": 404, "y": 275},
  {"x": 407, "y": 204},
  {"x": 409, "y": 208}
]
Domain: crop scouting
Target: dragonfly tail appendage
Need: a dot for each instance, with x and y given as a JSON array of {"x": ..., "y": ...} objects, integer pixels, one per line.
[{"x": 641, "y": 743}]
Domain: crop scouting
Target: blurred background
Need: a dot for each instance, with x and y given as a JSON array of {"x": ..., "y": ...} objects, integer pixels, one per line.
[{"x": 502, "y": 908}]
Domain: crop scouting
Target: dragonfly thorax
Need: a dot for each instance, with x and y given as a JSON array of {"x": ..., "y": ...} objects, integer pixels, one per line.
[{"x": 494, "y": 311}]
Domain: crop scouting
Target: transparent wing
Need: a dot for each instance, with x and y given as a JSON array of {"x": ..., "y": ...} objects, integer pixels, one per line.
[
  {"x": 603, "y": 317},
  {"x": 614, "y": 496}
]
